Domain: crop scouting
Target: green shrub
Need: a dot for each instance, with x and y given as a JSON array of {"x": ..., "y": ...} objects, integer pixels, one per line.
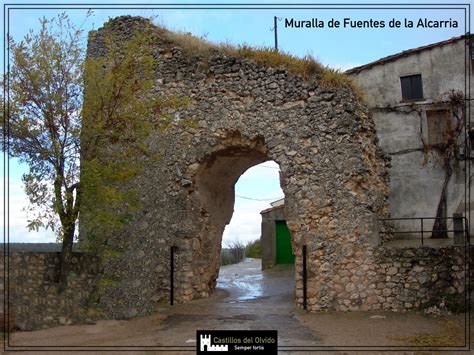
[
  {"x": 254, "y": 249},
  {"x": 233, "y": 254}
]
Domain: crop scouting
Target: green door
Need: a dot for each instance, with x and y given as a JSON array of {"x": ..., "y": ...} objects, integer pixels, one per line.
[{"x": 284, "y": 253}]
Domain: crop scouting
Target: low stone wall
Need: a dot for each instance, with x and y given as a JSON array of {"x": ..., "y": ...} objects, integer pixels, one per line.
[
  {"x": 34, "y": 299},
  {"x": 410, "y": 278},
  {"x": 397, "y": 279},
  {"x": 422, "y": 277}
]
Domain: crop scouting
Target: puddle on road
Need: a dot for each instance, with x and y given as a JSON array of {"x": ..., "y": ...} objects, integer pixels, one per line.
[
  {"x": 245, "y": 281},
  {"x": 249, "y": 286}
]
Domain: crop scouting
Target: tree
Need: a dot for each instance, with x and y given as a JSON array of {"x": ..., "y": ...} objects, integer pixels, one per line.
[
  {"x": 449, "y": 152},
  {"x": 63, "y": 111},
  {"x": 43, "y": 113}
]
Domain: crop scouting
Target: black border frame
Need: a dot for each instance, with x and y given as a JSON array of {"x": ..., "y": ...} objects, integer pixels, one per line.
[{"x": 228, "y": 6}]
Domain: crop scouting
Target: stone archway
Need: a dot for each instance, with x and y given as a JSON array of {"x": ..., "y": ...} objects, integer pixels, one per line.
[
  {"x": 332, "y": 173},
  {"x": 215, "y": 180}
]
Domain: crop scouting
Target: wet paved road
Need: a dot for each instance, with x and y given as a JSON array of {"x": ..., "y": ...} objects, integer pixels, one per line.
[
  {"x": 246, "y": 281},
  {"x": 247, "y": 298}
]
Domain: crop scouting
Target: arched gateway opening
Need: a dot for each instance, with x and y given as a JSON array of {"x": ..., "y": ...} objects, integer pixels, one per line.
[
  {"x": 213, "y": 194},
  {"x": 241, "y": 113},
  {"x": 250, "y": 269},
  {"x": 215, "y": 185},
  {"x": 215, "y": 182}
]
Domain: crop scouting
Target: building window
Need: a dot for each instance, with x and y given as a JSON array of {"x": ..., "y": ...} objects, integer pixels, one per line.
[
  {"x": 439, "y": 126},
  {"x": 412, "y": 88}
]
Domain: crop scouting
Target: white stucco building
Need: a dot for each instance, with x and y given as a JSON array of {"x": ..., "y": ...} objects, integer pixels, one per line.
[{"x": 410, "y": 95}]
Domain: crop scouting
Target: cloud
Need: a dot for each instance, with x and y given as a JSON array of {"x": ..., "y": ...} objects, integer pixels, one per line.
[
  {"x": 268, "y": 169},
  {"x": 15, "y": 186},
  {"x": 18, "y": 231},
  {"x": 259, "y": 182},
  {"x": 244, "y": 226}
]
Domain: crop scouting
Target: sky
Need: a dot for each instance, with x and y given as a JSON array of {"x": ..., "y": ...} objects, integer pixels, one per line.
[{"x": 340, "y": 47}]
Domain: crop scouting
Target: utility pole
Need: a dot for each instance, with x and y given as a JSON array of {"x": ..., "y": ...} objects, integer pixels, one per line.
[
  {"x": 275, "y": 29},
  {"x": 275, "y": 24}
]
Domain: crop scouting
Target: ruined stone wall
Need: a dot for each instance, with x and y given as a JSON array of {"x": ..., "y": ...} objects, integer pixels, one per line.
[
  {"x": 334, "y": 176},
  {"x": 34, "y": 300},
  {"x": 243, "y": 113}
]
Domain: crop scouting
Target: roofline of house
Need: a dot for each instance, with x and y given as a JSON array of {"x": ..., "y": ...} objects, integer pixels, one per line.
[
  {"x": 406, "y": 53},
  {"x": 272, "y": 209}
]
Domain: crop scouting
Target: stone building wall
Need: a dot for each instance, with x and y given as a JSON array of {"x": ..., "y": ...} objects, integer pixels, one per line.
[
  {"x": 268, "y": 237},
  {"x": 34, "y": 300}
]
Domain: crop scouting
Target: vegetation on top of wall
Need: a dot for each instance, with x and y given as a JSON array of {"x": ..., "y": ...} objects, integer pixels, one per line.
[
  {"x": 119, "y": 115},
  {"x": 308, "y": 67}
]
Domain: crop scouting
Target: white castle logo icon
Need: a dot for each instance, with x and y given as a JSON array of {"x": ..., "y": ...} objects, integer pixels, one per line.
[{"x": 206, "y": 344}]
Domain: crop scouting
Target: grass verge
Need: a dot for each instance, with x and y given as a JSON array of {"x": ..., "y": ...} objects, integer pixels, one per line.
[{"x": 452, "y": 334}]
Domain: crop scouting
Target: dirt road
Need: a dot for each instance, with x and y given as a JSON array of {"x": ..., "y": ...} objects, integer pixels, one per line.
[{"x": 247, "y": 299}]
